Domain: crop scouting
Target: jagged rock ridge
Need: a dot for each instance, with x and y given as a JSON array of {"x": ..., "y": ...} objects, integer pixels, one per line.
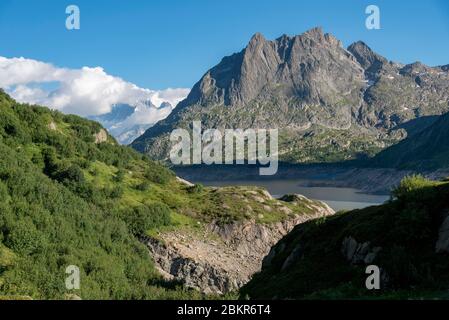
[{"x": 331, "y": 104}]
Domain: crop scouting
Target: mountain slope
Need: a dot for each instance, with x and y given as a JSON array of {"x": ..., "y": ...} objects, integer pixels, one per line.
[
  {"x": 426, "y": 150},
  {"x": 60, "y": 208},
  {"x": 397, "y": 93},
  {"x": 70, "y": 195},
  {"x": 287, "y": 66},
  {"x": 327, "y": 258},
  {"x": 329, "y": 103}
]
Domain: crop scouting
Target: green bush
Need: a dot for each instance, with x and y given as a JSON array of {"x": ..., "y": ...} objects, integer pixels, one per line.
[
  {"x": 4, "y": 196},
  {"x": 158, "y": 174},
  {"x": 24, "y": 238},
  {"x": 71, "y": 174},
  {"x": 119, "y": 176},
  {"x": 116, "y": 192},
  {"x": 144, "y": 218},
  {"x": 411, "y": 186},
  {"x": 144, "y": 186}
]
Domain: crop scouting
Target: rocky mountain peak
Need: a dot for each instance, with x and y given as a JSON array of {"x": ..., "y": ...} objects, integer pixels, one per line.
[
  {"x": 256, "y": 40},
  {"x": 368, "y": 59},
  {"x": 293, "y": 61},
  {"x": 307, "y": 84},
  {"x": 316, "y": 32},
  {"x": 316, "y": 36},
  {"x": 415, "y": 68}
]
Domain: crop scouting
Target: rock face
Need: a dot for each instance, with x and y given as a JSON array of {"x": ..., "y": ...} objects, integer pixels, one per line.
[
  {"x": 101, "y": 136},
  {"x": 358, "y": 253},
  {"x": 322, "y": 97},
  {"x": 313, "y": 67},
  {"x": 221, "y": 258},
  {"x": 395, "y": 94},
  {"x": 52, "y": 126},
  {"x": 370, "y": 61},
  {"x": 363, "y": 254}
]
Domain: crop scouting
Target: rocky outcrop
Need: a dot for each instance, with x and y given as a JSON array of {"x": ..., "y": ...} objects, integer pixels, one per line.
[
  {"x": 222, "y": 257},
  {"x": 370, "y": 61},
  {"x": 101, "y": 136},
  {"x": 358, "y": 253},
  {"x": 185, "y": 182},
  {"x": 189, "y": 262},
  {"x": 52, "y": 126},
  {"x": 297, "y": 199}
]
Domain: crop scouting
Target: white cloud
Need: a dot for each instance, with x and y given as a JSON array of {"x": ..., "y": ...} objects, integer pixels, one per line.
[
  {"x": 20, "y": 71},
  {"x": 23, "y": 93},
  {"x": 173, "y": 96},
  {"x": 85, "y": 91},
  {"x": 143, "y": 113}
]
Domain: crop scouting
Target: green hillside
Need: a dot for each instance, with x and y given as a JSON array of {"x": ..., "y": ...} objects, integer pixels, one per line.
[
  {"x": 327, "y": 258},
  {"x": 70, "y": 195},
  {"x": 61, "y": 204}
]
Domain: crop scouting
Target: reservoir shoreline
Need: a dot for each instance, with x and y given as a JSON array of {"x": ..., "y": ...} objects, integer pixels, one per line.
[{"x": 342, "y": 188}]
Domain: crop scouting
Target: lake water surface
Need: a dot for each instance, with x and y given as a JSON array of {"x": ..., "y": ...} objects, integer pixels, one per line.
[{"x": 336, "y": 198}]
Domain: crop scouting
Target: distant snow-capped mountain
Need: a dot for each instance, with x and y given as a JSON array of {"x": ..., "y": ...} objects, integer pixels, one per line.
[{"x": 127, "y": 122}]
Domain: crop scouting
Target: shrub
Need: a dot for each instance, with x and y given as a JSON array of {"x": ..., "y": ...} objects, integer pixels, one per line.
[
  {"x": 50, "y": 161},
  {"x": 3, "y": 192},
  {"x": 410, "y": 186},
  {"x": 94, "y": 172},
  {"x": 116, "y": 192},
  {"x": 71, "y": 174},
  {"x": 119, "y": 175},
  {"x": 144, "y": 186},
  {"x": 144, "y": 218},
  {"x": 158, "y": 174},
  {"x": 24, "y": 238}
]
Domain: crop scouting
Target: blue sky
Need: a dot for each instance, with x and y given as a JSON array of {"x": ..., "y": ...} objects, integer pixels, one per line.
[{"x": 171, "y": 43}]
